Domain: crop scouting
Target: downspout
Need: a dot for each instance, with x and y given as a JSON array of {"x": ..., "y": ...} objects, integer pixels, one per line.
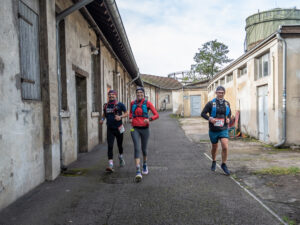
[
  {"x": 137, "y": 77},
  {"x": 182, "y": 112},
  {"x": 59, "y": 18},
  {"x": 283, "y": 91}
]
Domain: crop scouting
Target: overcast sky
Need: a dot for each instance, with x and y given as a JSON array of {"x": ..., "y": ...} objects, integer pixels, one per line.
[{"x": 165, "y": 34}]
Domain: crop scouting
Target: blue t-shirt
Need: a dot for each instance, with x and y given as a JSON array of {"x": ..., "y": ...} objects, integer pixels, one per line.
[{"x": 111, "y": 111}]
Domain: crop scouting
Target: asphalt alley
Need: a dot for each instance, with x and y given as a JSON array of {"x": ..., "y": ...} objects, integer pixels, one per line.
[{"x": 179, "y": 189}]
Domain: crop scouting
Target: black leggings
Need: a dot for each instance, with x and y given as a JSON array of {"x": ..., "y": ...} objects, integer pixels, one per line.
[{"x": 111, "y": 134}]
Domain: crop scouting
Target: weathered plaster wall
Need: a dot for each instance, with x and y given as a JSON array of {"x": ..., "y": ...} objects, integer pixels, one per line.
[
  {"x": 150, "y": 93},
  {"x": 293, "y": 90},
  {"x": 177, "y": 102},
  {"x": 21, "y": 122}
]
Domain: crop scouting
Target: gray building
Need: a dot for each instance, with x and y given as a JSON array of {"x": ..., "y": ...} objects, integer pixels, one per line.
[{"x": 55, "y": 71}]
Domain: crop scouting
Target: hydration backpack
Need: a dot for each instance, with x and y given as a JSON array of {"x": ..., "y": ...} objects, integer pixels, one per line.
[
  {"x": 115, "y": 109},
  {"x": 143, "y": 106},
  {"x": 214, "y": 108}
]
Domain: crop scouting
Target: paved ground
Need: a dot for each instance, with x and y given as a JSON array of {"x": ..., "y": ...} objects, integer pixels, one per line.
[
  {"x": 180, "y": 189},
  {"x": 279, "y": 192}
]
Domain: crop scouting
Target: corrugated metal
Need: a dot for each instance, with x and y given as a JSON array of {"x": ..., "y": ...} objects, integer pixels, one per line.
[{"x": 29, "y": 51}]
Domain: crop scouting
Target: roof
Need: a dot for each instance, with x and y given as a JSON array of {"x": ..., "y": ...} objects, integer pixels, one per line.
[
  {"x": 284, "y": 31},
  {"x": 161, "y": 82},
  {"x": 107, "y": 17}
]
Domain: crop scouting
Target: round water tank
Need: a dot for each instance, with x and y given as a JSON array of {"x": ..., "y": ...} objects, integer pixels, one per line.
[{"x": 260, "y": 25}]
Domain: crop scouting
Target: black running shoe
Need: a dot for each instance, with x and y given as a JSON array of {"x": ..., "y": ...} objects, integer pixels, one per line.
[
  {"x": 213, "y": 166},
  {"x": 225, "y": 169}
]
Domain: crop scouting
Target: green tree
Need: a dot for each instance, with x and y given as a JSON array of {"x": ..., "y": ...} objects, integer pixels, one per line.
[{"x": 211, "y": 56}]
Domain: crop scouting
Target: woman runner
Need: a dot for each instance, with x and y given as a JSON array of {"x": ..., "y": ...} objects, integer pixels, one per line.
[{"x": 140, "y": 120}]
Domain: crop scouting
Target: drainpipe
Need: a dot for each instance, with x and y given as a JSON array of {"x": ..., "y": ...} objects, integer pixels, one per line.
[
  {"x": 59, "y": 18},
  {"x": 283, "y": 91},
  {"x": 182, "y": 112},
  {"x": 137, "y": 77}
]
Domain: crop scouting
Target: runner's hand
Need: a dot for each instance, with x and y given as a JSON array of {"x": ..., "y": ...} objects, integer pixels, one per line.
[
  {"x": 130, "y": 120},
  {"x": 146, "y": 121},
  {"x": 212, "y": 120},
  {"x": 117, "y": 118},
  {"x": 227, "y": 120},
  {"x": 101, "y": 122}
]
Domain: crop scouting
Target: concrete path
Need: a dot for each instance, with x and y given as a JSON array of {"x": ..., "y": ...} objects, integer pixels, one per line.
[{"x": 180, "y": 189}]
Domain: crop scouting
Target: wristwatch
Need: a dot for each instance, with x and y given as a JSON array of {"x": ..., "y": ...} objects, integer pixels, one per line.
[{"x": 150, "y": 119}]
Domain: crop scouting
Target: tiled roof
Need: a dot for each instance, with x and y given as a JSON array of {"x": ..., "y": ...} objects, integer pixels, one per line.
[{"x": 161, "y": 82}]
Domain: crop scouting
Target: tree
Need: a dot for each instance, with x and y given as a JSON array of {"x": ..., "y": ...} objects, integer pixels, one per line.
[{"x": 211, "y": 56}]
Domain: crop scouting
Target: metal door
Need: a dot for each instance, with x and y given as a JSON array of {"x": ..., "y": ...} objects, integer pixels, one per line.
[
  {"x": 195, "y": 105},
  {"x": 263, "y": 121}
]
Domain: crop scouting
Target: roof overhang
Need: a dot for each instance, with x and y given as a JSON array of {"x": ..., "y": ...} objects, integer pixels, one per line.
[{"x": 106, "y": 20}]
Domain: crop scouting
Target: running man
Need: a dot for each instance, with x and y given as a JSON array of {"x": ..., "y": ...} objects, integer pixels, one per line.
[
  {"x": 112, "y": 111},
  {"x": 140, "y": 120},
  {"x": 219, "y": 111}
]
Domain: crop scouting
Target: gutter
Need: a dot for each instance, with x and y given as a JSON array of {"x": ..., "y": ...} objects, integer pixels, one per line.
[
  {"x": 283, "y": 90},
  {"x": 59, "y": 18}
]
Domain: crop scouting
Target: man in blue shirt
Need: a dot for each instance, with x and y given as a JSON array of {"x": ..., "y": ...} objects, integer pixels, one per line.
[{"x": 113, "y": 112}]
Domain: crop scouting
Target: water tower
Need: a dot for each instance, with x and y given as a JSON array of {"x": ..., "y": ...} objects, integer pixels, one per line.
[{"x": 262, "y": 24}]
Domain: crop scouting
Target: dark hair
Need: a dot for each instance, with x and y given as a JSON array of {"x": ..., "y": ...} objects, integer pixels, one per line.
[
  {"x": 220, "y": 88},
  {"x": 140, "y": 89}
]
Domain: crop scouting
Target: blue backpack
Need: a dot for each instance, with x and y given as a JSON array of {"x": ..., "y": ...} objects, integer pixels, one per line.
[
  {"x": 214, "y": 108},
  {"x": 143, "y": 106}
]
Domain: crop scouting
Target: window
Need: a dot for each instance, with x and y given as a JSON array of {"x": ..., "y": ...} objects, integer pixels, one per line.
[
  {"x": 29, "y": 53},
  {"x": 222, "y": 81},
  {"x": 242, "y": 71},
  {"x": 262, "y": 66},
  {"x": 229, "y": 77}
]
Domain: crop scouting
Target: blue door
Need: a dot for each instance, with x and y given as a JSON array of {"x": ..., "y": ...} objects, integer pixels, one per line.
[{"x": 195, "y": 105}]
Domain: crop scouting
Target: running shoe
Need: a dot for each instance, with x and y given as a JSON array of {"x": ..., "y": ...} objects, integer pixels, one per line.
[
  {"x": 145, "y": 169},
  {"x": 110, "y": 168},
  {"x": 122, "y": 161},
  {"x": 213, "y": 166},
  {"x": 138, "y": 176},
  {"x": 225, "y": 169}
]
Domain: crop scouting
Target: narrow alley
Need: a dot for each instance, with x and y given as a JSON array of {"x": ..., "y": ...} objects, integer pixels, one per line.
[{"x": 179, "y": 189}]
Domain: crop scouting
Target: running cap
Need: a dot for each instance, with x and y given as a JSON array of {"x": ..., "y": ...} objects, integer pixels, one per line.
[
  {"x": 140, "y": 89},
  {"x": 112, "y": 92},
  {"x": 220, "y": 88}
]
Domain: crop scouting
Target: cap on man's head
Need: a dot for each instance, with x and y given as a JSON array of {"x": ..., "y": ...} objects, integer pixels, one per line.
[
  {"x": 140, "y": 89},
  {"x": 220, "y": 88},
  {"x": 112, "y": 92}
]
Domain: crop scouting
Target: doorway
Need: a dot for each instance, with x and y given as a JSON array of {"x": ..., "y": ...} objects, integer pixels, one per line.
[
  {"x": 195, "y": 105},
  {"x": 263, "y": 120},
  {"x": 81, "y": 105}
]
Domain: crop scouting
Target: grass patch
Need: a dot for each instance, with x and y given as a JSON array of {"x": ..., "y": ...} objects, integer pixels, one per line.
[
  {"x": 204, "y": 141},
  {"x": 279, "y": 171},
  {"x": 175, "y": 116},
  {"x": 248, "y": 139},
  {"x": 74, "y": 172},
  {"x": 288, "y": 221}
]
